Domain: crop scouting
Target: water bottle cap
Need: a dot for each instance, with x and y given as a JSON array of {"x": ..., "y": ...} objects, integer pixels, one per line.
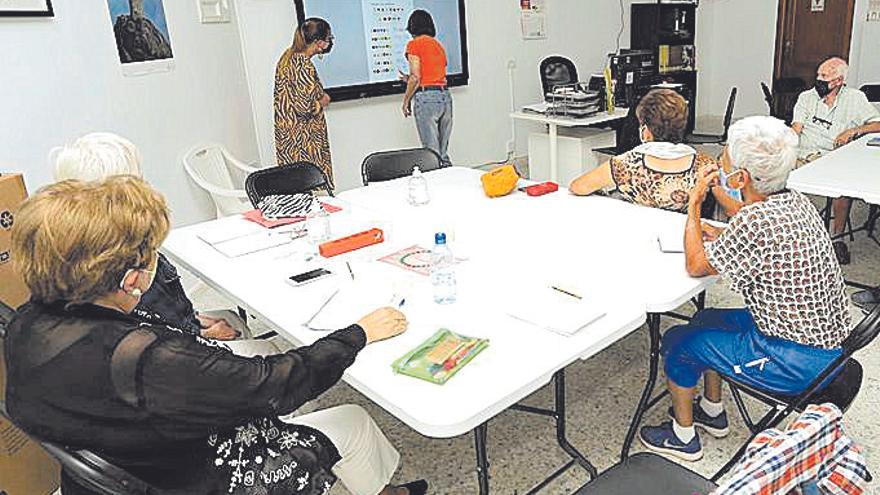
[
  {"x": 439, "y": 238},
  {"x": 417, "y": 171}
]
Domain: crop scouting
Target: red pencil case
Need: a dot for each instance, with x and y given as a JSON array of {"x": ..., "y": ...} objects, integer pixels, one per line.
[
  {"x": 351, "y": 243},
  {"x": 541, "y": 189}
]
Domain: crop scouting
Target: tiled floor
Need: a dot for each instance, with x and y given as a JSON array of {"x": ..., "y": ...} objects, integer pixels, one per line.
[{"x": 602, "y": 393}]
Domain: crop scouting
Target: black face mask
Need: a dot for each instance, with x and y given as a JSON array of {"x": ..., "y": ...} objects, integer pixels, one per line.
[
  {"x": 329, "y": 47},
  {"x": 823, "y": 88}
]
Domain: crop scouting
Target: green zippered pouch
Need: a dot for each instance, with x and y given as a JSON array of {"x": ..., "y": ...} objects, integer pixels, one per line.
[{"x": 440, "y": 357}]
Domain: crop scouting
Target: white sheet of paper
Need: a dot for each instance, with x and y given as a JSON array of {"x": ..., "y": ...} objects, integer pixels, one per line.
[
  {"x": 353, "y": 302},
  {"x": 550, "y": 309}
]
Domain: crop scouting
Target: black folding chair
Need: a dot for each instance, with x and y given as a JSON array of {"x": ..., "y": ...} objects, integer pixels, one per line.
[
  {"x": 294, "y": 178},
  {"x": 716, "y": 138},
  {"x": 841, "y": 391},
  {"x": 647, "y": 473},
  {"x": 872, "y": 91},
  {"x": 557, "y": 71},
  {"x": 389, "y": 165},
  {"x": 768, "y": 97}
]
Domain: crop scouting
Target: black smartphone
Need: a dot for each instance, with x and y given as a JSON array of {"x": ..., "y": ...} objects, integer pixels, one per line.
[{"x": 308, "y": 277}]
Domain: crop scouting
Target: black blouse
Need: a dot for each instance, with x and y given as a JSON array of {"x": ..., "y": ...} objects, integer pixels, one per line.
[{"x": 148, "y": 397}]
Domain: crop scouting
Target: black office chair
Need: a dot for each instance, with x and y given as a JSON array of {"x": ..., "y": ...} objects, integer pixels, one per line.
[
  {"x": 872, "y": 91},
  {"x": 389, "y": 165},
  {"x": 768, "y": 97},
  {"x": 716, "y": 138},
  {"x": 557, "y": 71},
  {"x": 647, "y": 473},
  {"x": 295, "y": 178},
  {"x": 841, "y": 391}
]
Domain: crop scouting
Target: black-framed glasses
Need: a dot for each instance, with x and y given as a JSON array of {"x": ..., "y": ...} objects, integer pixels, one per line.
[{"x": 824, "y": 123}]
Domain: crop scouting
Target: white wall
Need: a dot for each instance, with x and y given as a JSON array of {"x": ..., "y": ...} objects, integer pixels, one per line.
[
  {"x": 865, "y": 61},
  {"x": 583, "y": 30},
  {"x": 736, "y": 42},
  {"x": 735, "y": 47},
  {"x": 61, "y": 78}
]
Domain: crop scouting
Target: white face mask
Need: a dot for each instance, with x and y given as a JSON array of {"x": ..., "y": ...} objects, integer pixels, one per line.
[{"x": 642, "y": 129}]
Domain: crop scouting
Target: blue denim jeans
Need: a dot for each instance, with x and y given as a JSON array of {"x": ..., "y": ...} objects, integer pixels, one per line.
[{"x": 433, "y": 113}]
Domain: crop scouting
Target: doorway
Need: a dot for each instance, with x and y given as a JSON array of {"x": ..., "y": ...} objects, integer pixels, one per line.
[{"x": 807, "y": 32}]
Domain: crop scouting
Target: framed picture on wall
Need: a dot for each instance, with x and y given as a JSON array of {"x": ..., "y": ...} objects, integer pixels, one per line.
[
  {"x": 143, "y": 40},
  {"x": 26, "y": 8}
]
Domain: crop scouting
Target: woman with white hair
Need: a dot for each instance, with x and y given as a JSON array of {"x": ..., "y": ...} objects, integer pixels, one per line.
[
  {"x": 777, "y": 254},
  {"x": 100, "y": 155}
]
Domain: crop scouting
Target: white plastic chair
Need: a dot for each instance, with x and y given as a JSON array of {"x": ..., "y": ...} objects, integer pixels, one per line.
[{"x": 208, "y": 166}]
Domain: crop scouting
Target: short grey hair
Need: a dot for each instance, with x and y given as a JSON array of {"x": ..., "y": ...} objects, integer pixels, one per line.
[
  {"x": 766, "y": 148},
  {"x": 96, "y": 156}
]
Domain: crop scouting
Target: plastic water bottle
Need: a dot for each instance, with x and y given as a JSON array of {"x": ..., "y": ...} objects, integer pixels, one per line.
[
  {"x": 442, "y": 271},
  {"x": 418, "y": 188}
]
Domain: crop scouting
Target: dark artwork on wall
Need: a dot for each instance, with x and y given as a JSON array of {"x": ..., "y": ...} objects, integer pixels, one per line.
[
  {"x": 26, "y": 8},
  {"x": 141, "y": 30}
]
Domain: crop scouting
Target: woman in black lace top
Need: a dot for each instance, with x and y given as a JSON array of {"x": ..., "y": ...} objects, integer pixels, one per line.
[{"x": 180, "y": 412}]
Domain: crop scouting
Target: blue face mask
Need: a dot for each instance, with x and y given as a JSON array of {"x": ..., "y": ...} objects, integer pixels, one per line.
[{"x": 733, "y": 193}]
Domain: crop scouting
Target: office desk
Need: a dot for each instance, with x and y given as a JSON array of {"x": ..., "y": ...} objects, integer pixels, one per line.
[
  {"x": 555, "y": 121},
  {"x": 605, "y": 245}
]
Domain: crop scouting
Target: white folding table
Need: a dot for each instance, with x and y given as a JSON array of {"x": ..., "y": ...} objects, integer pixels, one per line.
[
  {"x": 555, "y": 121},
  {"x": 851, "y": 171},
  {"x": 608, "y": 246}
]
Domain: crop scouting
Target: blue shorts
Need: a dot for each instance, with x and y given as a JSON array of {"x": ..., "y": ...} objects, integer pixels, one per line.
[{"x": 728, "y": 341}]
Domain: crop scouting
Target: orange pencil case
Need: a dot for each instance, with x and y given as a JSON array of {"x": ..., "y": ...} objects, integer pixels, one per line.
[{"x": 351, "y": 243}]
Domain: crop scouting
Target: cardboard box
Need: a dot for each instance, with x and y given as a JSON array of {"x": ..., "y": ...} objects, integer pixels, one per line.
[
  {"x": 25, "y": 468},
  {"x": 13, "y": 292}
]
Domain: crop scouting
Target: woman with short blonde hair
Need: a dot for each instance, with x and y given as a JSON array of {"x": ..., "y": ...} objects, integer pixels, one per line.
[
  {"x": 154, "y": 400},
  {"x": 75, "y": 241}
]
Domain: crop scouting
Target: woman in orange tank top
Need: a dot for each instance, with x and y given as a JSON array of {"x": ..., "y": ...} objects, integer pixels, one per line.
[{"x": 427, "y": 97}]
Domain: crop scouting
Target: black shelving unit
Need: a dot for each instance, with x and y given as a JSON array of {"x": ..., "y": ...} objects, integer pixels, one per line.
[{"x": 674, "y": 25}]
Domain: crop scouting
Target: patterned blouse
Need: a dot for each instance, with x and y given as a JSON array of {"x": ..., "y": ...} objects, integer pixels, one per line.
[
  {"x": 778, "y": 255},
  {"x": 300, "y": 126},
  {"x": 638, "y": 183}
]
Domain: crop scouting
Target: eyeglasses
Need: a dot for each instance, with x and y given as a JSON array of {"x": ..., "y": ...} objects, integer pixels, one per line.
[{"x": 824, "y": 123}]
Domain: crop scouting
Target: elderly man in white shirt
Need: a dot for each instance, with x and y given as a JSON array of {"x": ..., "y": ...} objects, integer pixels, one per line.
[{"x": 826, "y": 117}]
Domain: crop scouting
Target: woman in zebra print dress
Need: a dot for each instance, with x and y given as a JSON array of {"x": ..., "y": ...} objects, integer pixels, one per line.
[{"x": 300, "y": 100}]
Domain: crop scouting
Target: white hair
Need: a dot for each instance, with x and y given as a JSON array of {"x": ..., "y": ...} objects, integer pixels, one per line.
[
  {"x": 766, "y": 148},
  {"x": 839, "y": 66},
  {"x": 96, "y": 156}
]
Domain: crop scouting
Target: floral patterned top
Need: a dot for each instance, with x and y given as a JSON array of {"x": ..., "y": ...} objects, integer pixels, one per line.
[{"x": 638, "y": 183}]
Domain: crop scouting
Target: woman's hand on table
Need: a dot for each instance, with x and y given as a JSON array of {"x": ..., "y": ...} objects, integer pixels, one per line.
[{"x": 382, "y": 324}]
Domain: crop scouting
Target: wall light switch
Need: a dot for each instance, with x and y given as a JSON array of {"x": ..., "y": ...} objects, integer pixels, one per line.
[{"x": 214, "y": 11}]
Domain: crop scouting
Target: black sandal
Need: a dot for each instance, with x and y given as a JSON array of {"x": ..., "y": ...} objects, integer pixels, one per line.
[{"x": 419, "y": 487}]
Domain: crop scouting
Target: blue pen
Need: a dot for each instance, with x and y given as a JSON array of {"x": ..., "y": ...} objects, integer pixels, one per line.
[{"x": 400, "y": 305}]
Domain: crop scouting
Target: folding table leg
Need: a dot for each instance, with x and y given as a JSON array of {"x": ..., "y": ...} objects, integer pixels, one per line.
[
  {"x": 559, "y": 382},
  {"x": 480, "y": 434},
  {"x": 654, "y": 334}
]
